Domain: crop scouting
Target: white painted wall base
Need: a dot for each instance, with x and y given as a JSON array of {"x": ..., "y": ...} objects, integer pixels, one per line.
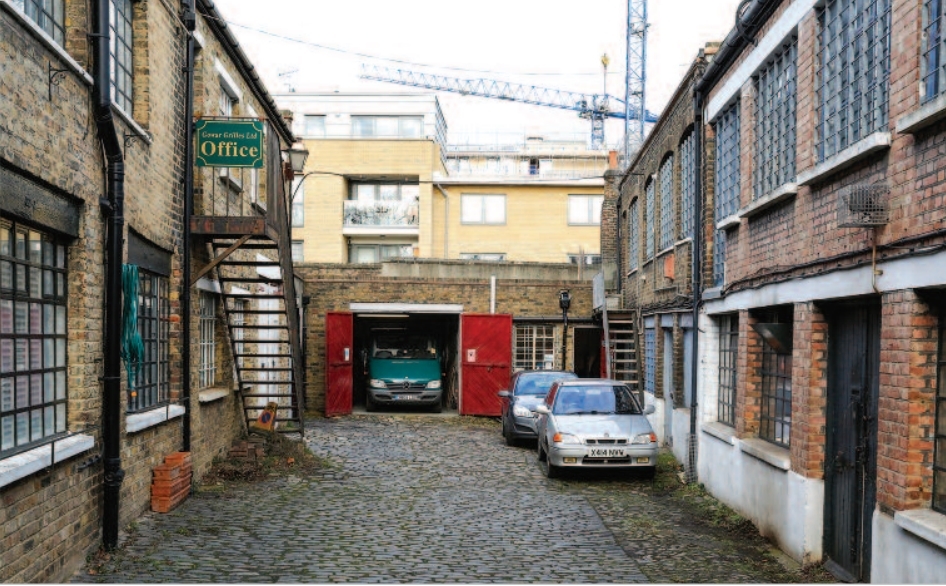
[
  {"x": 656, "y": 418},
  {"x": 681, "y": 430},
  {"x": 899, "y": 556},
  {"x": 785, "y": 506}
]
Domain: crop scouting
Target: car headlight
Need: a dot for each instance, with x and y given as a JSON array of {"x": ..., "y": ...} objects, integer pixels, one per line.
[
  {"x": 377, "y": 383},
  {"x": 565, "y": 438},
  {"x": 645, "y": 438},
  {"x": 434, "y": 384},
  {"x": 520, "y": 411}
]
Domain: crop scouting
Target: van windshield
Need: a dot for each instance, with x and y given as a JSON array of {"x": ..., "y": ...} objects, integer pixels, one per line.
[{"x": 404, "y": 346}]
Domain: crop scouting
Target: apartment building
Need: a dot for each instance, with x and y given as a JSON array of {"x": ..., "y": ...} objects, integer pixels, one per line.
[
  {"x": 95, "y": 182},
  {"x": 821, "y": 386}
]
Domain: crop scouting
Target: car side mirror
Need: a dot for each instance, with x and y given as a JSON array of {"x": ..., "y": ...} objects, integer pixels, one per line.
[
  {"x": 542, "y": 409},
  {"x": 649, "y": 409},
  {"x": 504, "y": 394}
]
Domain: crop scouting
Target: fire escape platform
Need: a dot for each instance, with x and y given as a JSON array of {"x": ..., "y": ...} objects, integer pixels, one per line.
[{"x": 233, "y": 226}]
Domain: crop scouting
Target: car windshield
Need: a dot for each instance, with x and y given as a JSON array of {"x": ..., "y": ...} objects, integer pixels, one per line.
[
  {"x": 595, "y": 400},
  {"x": 404, "y": 346},
  {"x": 538, "y": 383}
]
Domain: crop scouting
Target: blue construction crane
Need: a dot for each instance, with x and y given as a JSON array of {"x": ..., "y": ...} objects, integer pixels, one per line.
[{"x": 593, "y": 107}]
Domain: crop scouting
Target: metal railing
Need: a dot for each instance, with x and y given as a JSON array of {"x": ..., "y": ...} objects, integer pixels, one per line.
[{"x": 394, "y": 214}]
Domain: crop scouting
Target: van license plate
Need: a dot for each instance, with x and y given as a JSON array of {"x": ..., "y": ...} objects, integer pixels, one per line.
[{"x": 406, "y": 397}]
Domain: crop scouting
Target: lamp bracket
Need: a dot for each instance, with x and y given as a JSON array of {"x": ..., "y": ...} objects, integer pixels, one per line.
[
  {"x": 131, "y": 138},
  {"x": 54, "y": 77}
]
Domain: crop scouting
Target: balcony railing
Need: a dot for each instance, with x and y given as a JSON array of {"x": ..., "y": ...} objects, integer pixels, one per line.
[{"x": 386, "y": 214}]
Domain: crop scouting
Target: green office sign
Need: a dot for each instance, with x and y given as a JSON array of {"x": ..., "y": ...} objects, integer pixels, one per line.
[{"x": 229, "y": 143}]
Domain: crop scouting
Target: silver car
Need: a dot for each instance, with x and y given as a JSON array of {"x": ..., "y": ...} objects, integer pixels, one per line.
[{"x": 594, "y": 423}]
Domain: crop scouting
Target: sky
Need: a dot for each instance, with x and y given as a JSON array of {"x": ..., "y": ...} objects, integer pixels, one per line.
[{"x": 320, "y": 45}]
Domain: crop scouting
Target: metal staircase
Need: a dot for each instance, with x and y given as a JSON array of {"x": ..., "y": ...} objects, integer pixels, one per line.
[
  {"x": 251, "y": 256},
  {"x": 624, "y": 359}
]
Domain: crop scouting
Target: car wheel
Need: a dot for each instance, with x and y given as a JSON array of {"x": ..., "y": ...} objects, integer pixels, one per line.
[
  {"x": 510, "y": 439},
  {"x": 551, "y": 470}
]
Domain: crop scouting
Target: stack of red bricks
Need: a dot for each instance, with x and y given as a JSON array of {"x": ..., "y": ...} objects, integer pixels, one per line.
[
  {"x": 172, "y": 482},
  {"x": 247, "y": 451}
]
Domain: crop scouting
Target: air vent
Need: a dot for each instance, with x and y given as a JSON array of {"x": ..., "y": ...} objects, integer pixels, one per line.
[{"x": 863, "y": 205}]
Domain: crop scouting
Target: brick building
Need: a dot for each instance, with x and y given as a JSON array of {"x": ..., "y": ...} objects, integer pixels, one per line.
[
  {"x": 93, "y": 180},
  {"x": 822, "y": 387}
]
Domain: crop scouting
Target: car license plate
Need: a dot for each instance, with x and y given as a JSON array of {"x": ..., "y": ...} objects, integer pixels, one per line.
[
  {"x": 606, "y": 452},
  {"x": 406, "y": 397}
]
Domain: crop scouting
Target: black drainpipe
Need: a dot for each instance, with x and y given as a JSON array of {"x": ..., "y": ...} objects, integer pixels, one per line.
[
  {"x": 699, "y": 229},
  {"x": 190, "y": 22},
  {"x": 113, "y": 206}
]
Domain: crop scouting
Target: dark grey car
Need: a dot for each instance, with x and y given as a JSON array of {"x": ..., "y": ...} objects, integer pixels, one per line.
[{"x": 527, "y": 388}]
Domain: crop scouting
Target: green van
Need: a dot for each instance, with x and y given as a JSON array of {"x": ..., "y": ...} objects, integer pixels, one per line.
[{"x": 403, "y": 369}]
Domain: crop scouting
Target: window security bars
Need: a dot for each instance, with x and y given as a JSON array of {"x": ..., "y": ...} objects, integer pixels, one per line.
[
  {"x": 727, "y": 162},
  {"x": 667, "y": 228},
  {"x": 634, "y": 235},
  {"x": 153, "y": 382},
  {"x": 939, "y": 459},
  {"x": 535, "y": 347},
  {"x": 120, "y": 15},
  {"x": 934, "y": 68},
  {"x": 775, "y": 122},
  {"x": 687, "y": 184},
  {"x": 650, "y": 359},
  {"x": 207, "y": 370},
  {"x": 728, "y": 352},
  {"x": 719, "y": 259},
  {"x": 49, "y": 15},
  {"x": 776, "y": 416},
  {"x": 649, "y": 218},
  {"x": 855, "y": 69},
  {"x": 32, "y": 337}
]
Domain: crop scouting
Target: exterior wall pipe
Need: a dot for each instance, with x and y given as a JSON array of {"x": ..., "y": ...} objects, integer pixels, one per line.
[
  {"x": 492, "y": 293},
  {"x": 189, "y": 17},
  {"x": 699, "y": 226},
  {"x": 446, "y": 217},
  {"x": 113, "y": 208}
]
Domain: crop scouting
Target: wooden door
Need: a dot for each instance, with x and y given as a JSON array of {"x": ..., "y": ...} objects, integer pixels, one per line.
[
  {"x": 485, "y": 362},
  {"x": 339, "y": 352}
]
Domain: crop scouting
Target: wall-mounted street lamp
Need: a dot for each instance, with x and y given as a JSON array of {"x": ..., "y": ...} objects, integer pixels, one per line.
[
  {"x": 564, "y": 301},
  {"x": 297, "y": 154}
]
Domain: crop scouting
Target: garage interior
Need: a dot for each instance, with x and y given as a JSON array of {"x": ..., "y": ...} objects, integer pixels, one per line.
[{"x": 442, "y": 327}]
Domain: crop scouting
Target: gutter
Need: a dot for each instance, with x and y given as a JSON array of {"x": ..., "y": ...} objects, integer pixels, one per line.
[
  {"x": 113, "y": 208},
  {"x": 231, "y": 46},
  {"x": 750, "y": 16},
  {"x": 189, "y": 17},
  {"x": 699, "y": 229}
]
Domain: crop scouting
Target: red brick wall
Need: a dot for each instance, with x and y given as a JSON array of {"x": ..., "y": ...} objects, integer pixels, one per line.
[{"x": 809, "y": 390}]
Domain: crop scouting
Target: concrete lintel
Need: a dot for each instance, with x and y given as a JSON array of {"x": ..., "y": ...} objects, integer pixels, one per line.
[
  {"x": 405, "y": 308},
  {"x": 869, "y": 145},
  {"x": 769, "y": 453},
  {"x": 728, "y": 222},
  {"x": 768, "y": 200},
  {"x": 720, "y": 431}
]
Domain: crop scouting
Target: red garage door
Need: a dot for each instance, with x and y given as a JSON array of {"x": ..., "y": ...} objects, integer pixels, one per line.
[
  {"x": 338, "y": 359},
  {"x": 486, "y": 359}
]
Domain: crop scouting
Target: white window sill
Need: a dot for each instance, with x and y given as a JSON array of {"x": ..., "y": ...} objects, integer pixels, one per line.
[
  {"x": 686, "y": 240},
  {"x": 874, "y": 143},
  {"x": 926, "y": 524},
  {"x": 139, "y": 421},
  {"x": 720, "y": 431},
  {"x": 768, "y": 200},
  {"x": 139, "y": 132},
  {"x": 211, "y": 395},
  {"x": 927, "y": 114},
  {"x": 728, "y": 222},
  {"x": 22, "y": 465},
  {"x": 48, "y": 41},
  {"x": 769, "y": 453}
]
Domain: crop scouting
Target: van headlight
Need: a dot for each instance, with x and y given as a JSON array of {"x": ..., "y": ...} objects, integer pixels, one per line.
[
  {"x": 377, "y": 383},
  {"x": 434, "y": 384}
]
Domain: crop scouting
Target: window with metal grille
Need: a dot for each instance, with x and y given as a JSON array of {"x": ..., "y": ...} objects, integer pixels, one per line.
[
  {"x": 535, "y": 347},
  {"x": 934, "y": 66},
  {"x": 634, "y": 235},
  {"x": 650, "y": 359},
  {"x": 667, "y": 228},
  {"x": 687, "y": 183},
  {"x": 32, "y": 337},
  {"x": 649, "y": 218},
  {"x": 207, "y": 370},
  {"x": 727, "y": 162},
  {"x": 775, "y": 122},
  {"x": 854, "y": 73},
  {"x": 939, "y": 457},
  {"x": 153, "y": 382},
  {"x": 48, "y": 14},
  {"x": 776, "y": 417},
  {"x": 719, "y": 259},
  {"x": 119, "y": 21},
  {"x": 728, "y": 352}
]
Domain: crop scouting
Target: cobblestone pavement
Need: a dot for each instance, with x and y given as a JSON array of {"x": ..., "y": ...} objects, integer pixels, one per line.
[{"x": 427, "y": 499}]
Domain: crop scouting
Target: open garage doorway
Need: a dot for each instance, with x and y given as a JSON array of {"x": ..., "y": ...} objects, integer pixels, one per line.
[
  {"x": 588, "y": 352},
  {"x": 407, "y": 347}
]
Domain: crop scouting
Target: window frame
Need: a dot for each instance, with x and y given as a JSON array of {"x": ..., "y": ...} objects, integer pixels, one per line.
[
  {"x": 483, "y": 198},
  {"x": 153, "y": 381},
  {"x": 592, "y": 208},
  {"x": 297, "y": 207},
  {"x": 40, "y": 304},
  {"x": 775, "y": 416},
  {"x": 307, "y": 129},
  {"x": 53, "y": 24},
  {"x": 207, "y": 339},
  {"x": 379, "y": 248},
  {"x": 361, "y": 119},
  {"x": 633, "y": 235},
  {"x": 665, "y": 178},
  {"x": 121, "y": 49},
  {"x": 527, "y": 349},
  {"x": 775, "y": 121},
  {"x": 687, "y": 183},
  {"x": 728, "y": 155},
  {"x": 649, "y": 219},
  {"x": 297, "y": 250},
  {"x": 728, "y": 369},
  {"x": 650, "y": 359}
]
